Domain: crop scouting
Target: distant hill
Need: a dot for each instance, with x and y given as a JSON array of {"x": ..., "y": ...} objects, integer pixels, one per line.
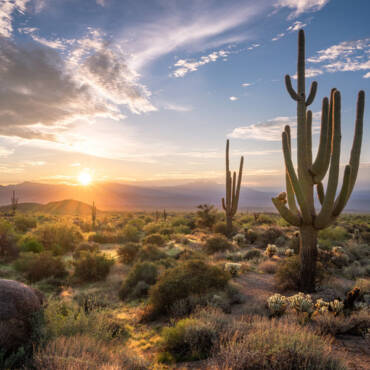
[
  {"x": 118, "y": 197},
  {"x": 63, "y": 207}
]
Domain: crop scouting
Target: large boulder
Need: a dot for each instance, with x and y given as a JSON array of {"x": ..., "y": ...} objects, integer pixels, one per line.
[{"x": 18, "y": 305}]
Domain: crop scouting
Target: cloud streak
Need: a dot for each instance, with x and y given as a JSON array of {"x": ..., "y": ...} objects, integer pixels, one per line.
[{"x": 301, "y": 6}]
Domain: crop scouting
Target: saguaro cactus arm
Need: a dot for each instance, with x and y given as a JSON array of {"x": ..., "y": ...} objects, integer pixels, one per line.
[{"x": 289, "y": 187}]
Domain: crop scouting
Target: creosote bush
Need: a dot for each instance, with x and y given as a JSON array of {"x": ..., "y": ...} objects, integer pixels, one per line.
[
  {"x": 190, "y": 278},
  {"x": 8, "y": 241},
  {"x": 128, "y": 252},
  {"x": 92, "y": 266},
  {"x": 217, "y": 243},
  {"x": 138, "y": 281},
  {"x": 155, "y": 239}
]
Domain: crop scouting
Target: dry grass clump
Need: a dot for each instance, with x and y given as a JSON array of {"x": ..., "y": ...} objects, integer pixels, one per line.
[
  {"x": 275, "y": 344},
  {"x": 268, "y": 267},
  {"x": 84, "y": 353}
]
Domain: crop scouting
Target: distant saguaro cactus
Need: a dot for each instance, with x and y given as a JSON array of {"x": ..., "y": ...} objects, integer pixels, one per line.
[
  {"x": 230, "y": 203},
  {"x": 14, "y": 202},
  {"x": 164, "y": 215},
  {"x": 93, "y": 215},
  {"x": 300, "y": 187}
]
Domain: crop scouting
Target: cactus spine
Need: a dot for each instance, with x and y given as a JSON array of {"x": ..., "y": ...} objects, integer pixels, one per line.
[
  {"x": 14, "y": 202},
  {"x": 300, "y": 185},
  {"x": 230, "y": 204},
  {"x": 93, "y": 215}
]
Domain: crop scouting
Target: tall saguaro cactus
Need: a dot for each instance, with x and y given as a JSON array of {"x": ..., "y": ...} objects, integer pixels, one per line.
[
  {"x": 300, "y": 185},
  {"x": 230, "y": 204},
  {"x": 93, "y": 215},
  {"x": 14, "y": 202}
]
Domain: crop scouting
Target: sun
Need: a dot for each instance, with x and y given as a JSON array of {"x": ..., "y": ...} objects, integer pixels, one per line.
[{"x": 84, "y": 178}]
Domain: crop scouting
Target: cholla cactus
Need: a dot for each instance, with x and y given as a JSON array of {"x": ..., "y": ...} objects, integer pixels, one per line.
[
  {"x": 297, "y": 206},
  {"x": 233, "y": 268},
  {"x": 277, "y": 304},
  {"x": 336, "y": 306},
  {"x": 321, "y": 306},
  {"x": 289, "y": 252},
  {"x": 230, "y": 203},
  {"x": 337, "y": 251},
  {"x": 271, "y": 250},
  {"x": 301, "y": 303}
]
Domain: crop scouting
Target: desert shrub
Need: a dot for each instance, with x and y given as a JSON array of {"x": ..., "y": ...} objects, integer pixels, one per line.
[
  {"x": 24, "y": 223},
  {"x": 356, "y": 324},
  {"x": 333, "y": 233},
  {"x": 270, "y": 236},
  {"x": 355, "y": 270},
  {"x": 155, "y": 239},
  {"x": 128, "y": 252},
  {"x": 271, "y": 250},
  {"x": 233, "y": 268},
  {"x": 150, "y": 253},
  {"x": 359, "y": 252},
  {"x": 268, "y": 267},
  {"x": 206, "y": 216},
  {"x": 151, "y": 228},
  {"x": 189, "y": 340},
  {"x": 8, "y": 241},
  {"x": 30, "y": 244},
  {"x": 138, "y": 281},
  {"x": 217, "y": 243},
  {"x": 287, "y": 274},
  {"x": 136, "y": 222},
  {"x": 220, "y": 228},
  {"x": 58, "y": 237},
  {"x": 92, "y": 266},
  {"x": 251, "y": 236},
  {"x": 82, "y": 352},
  {"x": 85, "y": 247},
  {"x": 191, "y": 278},
  {"x": 252, "y": 254},
  {"x": 130, "y": 233},
  {"x": 263, "y": 218},
  {"x": 275, "y": 344},
  {"x": 38, "y": 266}
]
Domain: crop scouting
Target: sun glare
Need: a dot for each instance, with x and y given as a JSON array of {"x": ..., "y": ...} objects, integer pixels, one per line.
[{"x": 84, "y": 178}]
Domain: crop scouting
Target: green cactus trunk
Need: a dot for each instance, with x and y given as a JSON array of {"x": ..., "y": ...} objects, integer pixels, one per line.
[
  {"x": 300, "y": 185},
  {"x": 230, "y": 204}
]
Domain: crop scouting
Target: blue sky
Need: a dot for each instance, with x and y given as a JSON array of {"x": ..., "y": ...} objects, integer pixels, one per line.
[{"x": 144, "y": 91}]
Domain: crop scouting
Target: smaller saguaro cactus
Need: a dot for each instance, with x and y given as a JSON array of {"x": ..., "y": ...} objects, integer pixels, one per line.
[
  {"x": 14, "y": 202},
  {"x": 93, "y": 215},
  {"x": 230, "y": 203},
  {"x": 156, "y": 216},
  {"x": 164, "y": 215}
]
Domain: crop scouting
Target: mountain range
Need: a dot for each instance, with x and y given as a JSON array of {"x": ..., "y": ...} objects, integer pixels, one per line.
[{"x": 120, "y": 197}]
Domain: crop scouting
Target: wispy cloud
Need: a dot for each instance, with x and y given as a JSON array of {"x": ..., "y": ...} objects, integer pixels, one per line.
[
  {"x": 233, "y": 98},
  {"x": 271, "y": 129},
  {"x": 311, "y": 72},
  {"x": 177, "y": 107},
  {"x": 296, "y": 26},
  {"x": 278, "y": 36},
  {"x": 247, "y": 84},
  {"x": 184, "y": 66},
  {"x": 301, "y": 6},
  {"x": 367, "y": 75},
  {"x": 7, "y": 10},
  {"x": 253, "y": 46}
]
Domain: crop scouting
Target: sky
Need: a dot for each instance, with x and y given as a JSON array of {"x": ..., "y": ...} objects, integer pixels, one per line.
[{"x": 148, "y": 91}]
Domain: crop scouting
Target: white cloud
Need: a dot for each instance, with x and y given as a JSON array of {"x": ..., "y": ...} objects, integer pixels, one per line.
[
  {"x": 54, "y": 44},
  {"x": 233, "y": 98},
  {"x": 5, "y": 152},
  {"x": 367, "y": 75},
  {"x": 253, "y": 46},
  {"x": 310, "y": 72},
  {"x": 301, "y": 6},
  {"x": 270, "y": 130},
  {"x": 278, "y": 36},
  {"x": 102, "y": 2},
  {"x": 177, "y": 107},
  {"x": 184, "y": 66},
  {"x": 347, "y": 56},
  {"x": 296, "y": 26},
  {"x": 7, "y": 10},
  {"x": 246, "y": 84}
]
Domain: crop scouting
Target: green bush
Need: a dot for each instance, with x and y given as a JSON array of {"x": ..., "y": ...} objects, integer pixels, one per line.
[
  {"x": 8, "y": 241},
  {"x": 133, "y": 287},
  {"x": 128, "y": 252},
  {"x": 104, "y": 237},
  {"x": 252, "y": 254},
  {"x": 220, "y": 228},
  {"x": 251, "y": 236},
  {"x": 30, "y": 244},
  {"x": 85, "y": 247},
  {"x": 217, "y": 243},
  {"x": 206, "y": 215},
  {"x": 190, "y": 278},
  {"x": 155, "y": 239},
  {"x": 92, "y": 266},
  {"x": 38, "y": 266},
  {"x": 189, "y": 340},
  {"x": 24, "y": 223},
  {"x": 59, "y": 238},
  {"x": 150, "y": 253},
  {"x": 131, "y": 233},
  {"x": 333, "y": 233},
  {"x": 287, "y": 274}
]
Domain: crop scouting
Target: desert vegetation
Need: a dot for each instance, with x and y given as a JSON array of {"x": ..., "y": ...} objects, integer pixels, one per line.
[{"x": 208, "y": 289}]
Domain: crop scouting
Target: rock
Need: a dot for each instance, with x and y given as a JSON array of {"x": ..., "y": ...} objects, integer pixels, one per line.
[{"x": 18, "y": 304}]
